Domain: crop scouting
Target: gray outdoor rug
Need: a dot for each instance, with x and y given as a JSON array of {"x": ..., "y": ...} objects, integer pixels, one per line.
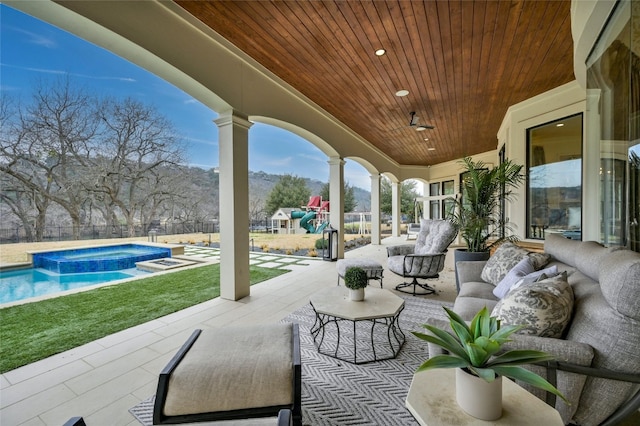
[{"x": 335, "y": 392}]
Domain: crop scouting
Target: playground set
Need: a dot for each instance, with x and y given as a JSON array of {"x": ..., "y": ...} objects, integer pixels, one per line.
[
  {"x": 311, "y": 219},
  {"x": 314, "y": 218}
]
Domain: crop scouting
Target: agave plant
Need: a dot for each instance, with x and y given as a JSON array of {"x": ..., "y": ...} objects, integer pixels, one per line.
[{"x": 475, "y": 347}]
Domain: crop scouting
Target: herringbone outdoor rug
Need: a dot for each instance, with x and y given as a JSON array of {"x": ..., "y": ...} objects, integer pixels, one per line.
[{"x": 335, "y": 392}]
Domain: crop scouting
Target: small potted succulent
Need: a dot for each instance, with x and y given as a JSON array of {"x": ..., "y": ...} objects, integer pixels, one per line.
[
  {"x": 356, "y": 279},
  {"x": 475, "y": 351}
]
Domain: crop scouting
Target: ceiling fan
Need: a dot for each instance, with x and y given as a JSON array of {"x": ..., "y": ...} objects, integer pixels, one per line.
[{"x": 413, "y": 122}]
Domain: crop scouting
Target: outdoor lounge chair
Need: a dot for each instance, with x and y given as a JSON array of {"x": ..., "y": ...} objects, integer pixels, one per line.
[
  {"x": 423, "y": 260},
  {"x": 233, "y": 373}
]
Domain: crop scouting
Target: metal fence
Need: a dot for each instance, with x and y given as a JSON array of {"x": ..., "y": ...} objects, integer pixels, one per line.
[
  {"x": 92, "y": 232},
  {"x": 17, "y": 234}
]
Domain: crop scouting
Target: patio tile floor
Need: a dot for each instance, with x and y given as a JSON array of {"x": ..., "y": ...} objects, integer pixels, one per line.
[{"x": 104, "y": 378}]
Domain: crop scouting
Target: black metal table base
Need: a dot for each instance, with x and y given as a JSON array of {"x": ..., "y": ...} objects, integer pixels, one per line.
[{"x": 394, "y": 337}]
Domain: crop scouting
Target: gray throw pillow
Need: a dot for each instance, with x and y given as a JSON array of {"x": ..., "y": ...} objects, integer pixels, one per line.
[
  {"x": 503, "y": 260},
  {"x": 539, "y": 260}
]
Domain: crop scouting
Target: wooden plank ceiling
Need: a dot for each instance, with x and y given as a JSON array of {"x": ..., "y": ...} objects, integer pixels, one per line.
[{"x": 463, "y": 62}]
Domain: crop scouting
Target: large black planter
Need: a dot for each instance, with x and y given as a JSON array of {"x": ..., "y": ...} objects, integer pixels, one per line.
[{"x": 464, "y": 255}]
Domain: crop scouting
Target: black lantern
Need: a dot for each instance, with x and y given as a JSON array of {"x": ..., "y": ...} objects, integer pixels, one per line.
[{"x": 330, "y": 244}]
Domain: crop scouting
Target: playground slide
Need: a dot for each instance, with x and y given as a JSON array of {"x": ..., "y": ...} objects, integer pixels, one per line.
[
  {"x": 321, "y": 227},
  {"x": 304, "y": 222},
  {"x": 305, "y": 218}
]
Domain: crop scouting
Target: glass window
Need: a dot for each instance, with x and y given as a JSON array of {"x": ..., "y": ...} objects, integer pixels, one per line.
[
  {"x": 554, "y": 186},
  {"x": 447, "y": 187},
  {"x": 434, "y": 207},
  {"x": 613, "y": 78},
  {"x": 434, "y": 189},
  {"x": 448, "y": 207}
]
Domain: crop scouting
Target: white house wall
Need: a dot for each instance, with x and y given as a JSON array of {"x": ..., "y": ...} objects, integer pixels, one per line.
[{"x": 566, "y": 100}]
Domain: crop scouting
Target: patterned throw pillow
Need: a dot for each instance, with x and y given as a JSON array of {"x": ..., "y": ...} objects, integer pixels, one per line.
[
  {"x": 543, "y": 308},
  {"x": 503, "y": 260},
  {"x": 539, "y": 260}
]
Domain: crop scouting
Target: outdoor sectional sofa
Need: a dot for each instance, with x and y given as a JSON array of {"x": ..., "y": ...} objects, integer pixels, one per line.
[{"x": 600, "y": 338}]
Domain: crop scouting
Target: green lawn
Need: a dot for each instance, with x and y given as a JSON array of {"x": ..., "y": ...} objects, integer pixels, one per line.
[{"x": 37, "y": 330}]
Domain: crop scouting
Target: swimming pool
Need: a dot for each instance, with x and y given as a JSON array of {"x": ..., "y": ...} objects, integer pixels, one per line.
[
  {"x": 26, "y": 283},
  {"x": 62, "y": 270},
  {"x": 97, "y": 259}
]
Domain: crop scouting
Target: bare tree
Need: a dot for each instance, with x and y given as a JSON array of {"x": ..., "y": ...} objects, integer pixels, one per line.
[
  {"x": 49, "y": 147},
  {"x": 135, "y": 144}
]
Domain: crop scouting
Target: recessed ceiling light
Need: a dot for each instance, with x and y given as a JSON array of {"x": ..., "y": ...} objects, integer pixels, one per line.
[
  {"x": 402, "y": 92},
  {"x": 560, "y": 125},
  {"x": 426, "y": 139},
  {"x": 431, "y": 149},
  {"x": 380, "y": 52}
]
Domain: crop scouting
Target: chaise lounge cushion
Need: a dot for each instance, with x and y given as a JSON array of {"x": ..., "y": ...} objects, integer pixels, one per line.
[{"x": 255, "y": 358}]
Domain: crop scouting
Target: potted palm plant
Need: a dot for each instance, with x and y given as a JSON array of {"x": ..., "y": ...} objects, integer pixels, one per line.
[
  {"x": 356, "y": 279},
  {"x": 475, "y": 350},
  {"x": 477, "y": 211}
]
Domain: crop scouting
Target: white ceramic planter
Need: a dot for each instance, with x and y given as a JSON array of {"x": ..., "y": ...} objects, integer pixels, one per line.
[
  {"x": 477, "y": 397},
  {"x": 356, "y": 295}
]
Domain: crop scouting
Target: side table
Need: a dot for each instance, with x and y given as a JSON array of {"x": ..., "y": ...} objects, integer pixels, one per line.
[
  {"x": 365, "y": 331},
  {"x": 432, "y": 401}
]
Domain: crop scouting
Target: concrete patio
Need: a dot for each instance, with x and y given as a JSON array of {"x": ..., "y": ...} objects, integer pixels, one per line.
[{"x": 103, "y": 379}]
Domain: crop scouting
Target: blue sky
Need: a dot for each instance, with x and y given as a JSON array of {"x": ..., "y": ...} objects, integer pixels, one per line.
[{"x": 32, "y": 50}]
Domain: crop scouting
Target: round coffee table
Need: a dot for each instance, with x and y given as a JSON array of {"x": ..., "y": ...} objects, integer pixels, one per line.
[{"x": 357, "y": 332}]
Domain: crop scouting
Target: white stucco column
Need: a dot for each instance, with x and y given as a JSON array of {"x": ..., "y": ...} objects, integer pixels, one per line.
[
  {"x": 375, "y": 209},
  {"x": 336, "y": 198},
  {"x": 396, "y": 216},
  {"x": 233, "y": 129}
]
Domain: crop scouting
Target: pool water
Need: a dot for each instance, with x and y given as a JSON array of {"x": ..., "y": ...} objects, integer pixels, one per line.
[{"x": 33, "y": 282}]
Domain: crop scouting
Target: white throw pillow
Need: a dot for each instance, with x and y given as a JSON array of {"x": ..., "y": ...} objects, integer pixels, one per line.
[
  {"x": 522, "y": 269},
  {"x": 549, "y": 272}
]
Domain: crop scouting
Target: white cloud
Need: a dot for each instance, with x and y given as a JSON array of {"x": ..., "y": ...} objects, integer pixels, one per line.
[
  {"x": 61, "y": 72},
  {"x": 36, "y": 39},
  {"x": 208, "y": 142}
]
